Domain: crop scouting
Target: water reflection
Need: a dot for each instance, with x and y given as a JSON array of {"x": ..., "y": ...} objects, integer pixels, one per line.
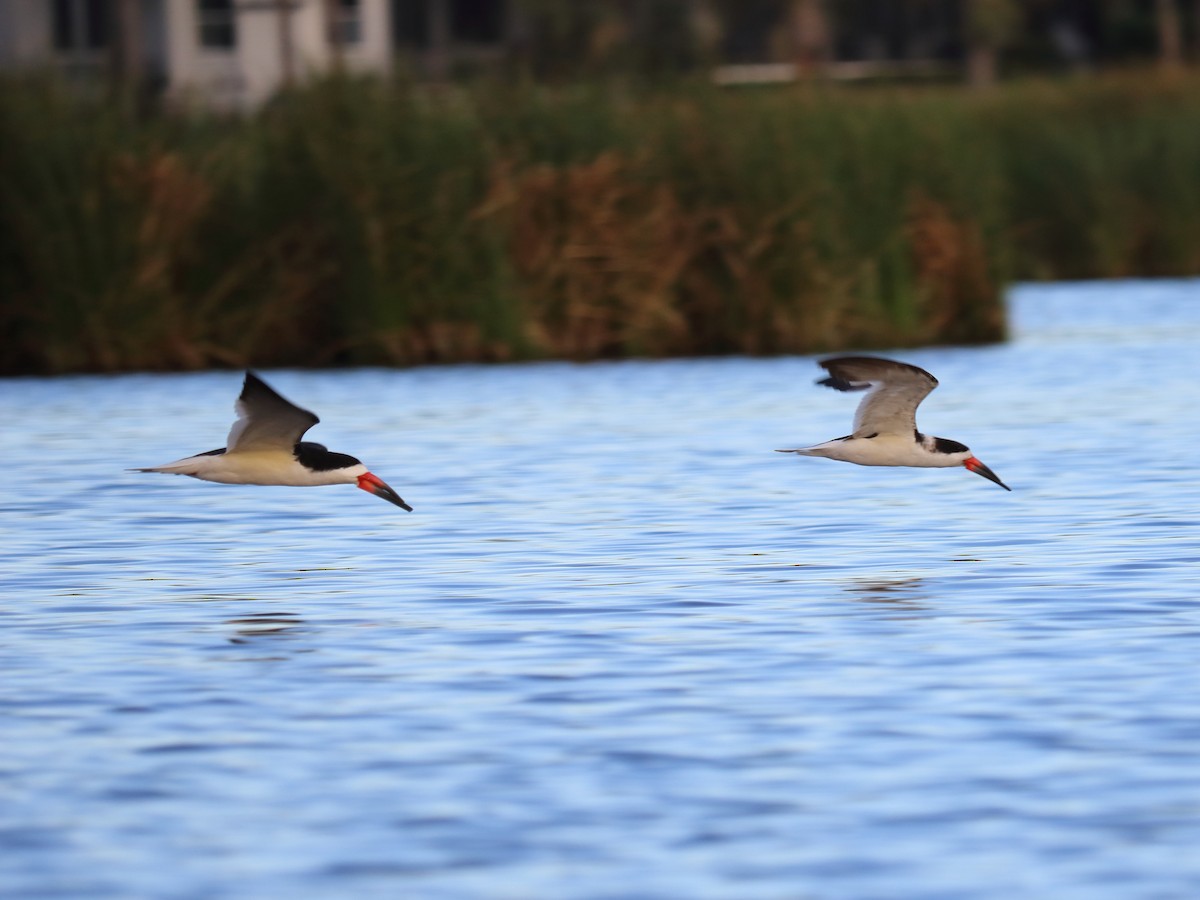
[
  {"x": 257, "y": 626},
  {"x": 899, "y": 593}
]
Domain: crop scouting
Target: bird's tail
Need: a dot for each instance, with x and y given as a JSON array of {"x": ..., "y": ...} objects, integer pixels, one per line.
[
  {"x": 175, "y": 468},
  {"x": 190, "y": 465}
]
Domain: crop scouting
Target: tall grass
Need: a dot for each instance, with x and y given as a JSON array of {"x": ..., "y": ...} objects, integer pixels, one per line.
[{"x": 360, "y": 222}]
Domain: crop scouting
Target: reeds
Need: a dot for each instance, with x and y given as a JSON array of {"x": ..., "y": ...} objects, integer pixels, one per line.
[{"x": 358, "y": 222}]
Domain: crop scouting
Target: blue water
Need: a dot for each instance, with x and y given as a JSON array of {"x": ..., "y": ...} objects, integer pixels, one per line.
[{"x": 621, "y": 649}]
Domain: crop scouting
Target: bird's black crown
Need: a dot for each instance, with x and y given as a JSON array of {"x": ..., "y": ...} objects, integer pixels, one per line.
[
  {"x": 316, "y": 457},
  {"x": 945, "y": 445}
]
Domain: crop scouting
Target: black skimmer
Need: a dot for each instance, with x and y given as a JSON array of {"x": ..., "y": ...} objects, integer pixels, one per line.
[
  {"x": 885, "y": 423},
  {"x": 264, "y": 447}
]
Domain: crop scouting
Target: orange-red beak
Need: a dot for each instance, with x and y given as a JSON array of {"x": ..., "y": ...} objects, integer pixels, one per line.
[
  {"x": 979, "y": 468},
  {"x": 376, "y": 486}
]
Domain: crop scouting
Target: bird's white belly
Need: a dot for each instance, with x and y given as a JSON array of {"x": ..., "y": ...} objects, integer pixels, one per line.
[
  {"x": 266, "y": 467},
  {"x": 884, "y": 450}
]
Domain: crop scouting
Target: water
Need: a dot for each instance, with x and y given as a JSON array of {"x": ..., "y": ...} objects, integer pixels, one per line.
[{"x": 621, "y": 649}]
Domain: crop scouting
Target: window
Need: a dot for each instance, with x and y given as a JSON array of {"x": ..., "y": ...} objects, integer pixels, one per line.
[
  {"x": 218, "y": 24},
  {"x": 410, "y": 24},
  {"x": 345, "y": 26},
  {"x": 79, "y": 25},
  {"x": 477, "y": 21}
]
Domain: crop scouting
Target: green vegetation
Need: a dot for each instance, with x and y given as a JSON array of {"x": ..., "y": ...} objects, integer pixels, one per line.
[{"x": 358, "y": 222}]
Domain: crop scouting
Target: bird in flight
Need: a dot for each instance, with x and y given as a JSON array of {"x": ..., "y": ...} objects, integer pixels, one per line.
[
  {"x": 264, "y": 447},
  {"x": 885, "y": 423}
]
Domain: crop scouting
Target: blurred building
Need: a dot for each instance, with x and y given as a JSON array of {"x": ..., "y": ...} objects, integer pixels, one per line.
[
  {"x": 239, "y": 52},
  {"x": 230, "y": 52}
]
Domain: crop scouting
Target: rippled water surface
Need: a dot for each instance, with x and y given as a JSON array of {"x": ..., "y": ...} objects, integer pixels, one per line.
[{"x": 621, "y": 649}]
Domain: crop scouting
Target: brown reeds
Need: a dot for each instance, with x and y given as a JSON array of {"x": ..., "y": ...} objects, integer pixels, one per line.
[
  {"x": 598, "y": 256},
  {"x": 355, "y": 222}
]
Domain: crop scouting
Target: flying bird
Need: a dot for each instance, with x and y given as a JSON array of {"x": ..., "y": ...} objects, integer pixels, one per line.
[
  {"x": 885, "y": 423},
  {"x": 264, "y": 447}
]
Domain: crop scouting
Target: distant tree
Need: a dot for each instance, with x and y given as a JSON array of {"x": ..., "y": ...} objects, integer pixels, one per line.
[
  {"x": 1196, "y": 29},
  {"x": 808, "y": 34},
  {"x": 575, "y": 38},
  {"x": 438, "y": 57},
  {"x": 125, "y": 56},
  {"x": 1170, "y": 34},
  {"x": 706, "y": 30},
  {"x": 990, "y": 25}
]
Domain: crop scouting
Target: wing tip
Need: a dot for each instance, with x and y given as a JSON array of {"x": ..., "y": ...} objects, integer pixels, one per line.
[
  {"x": 254, "y": 382},
  {"x": 831, "y": 363}
]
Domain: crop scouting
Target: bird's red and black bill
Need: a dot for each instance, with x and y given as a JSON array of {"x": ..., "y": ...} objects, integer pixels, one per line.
[
  {"x": 979, "y": 468},
  {"x": 376, "y": 486}
]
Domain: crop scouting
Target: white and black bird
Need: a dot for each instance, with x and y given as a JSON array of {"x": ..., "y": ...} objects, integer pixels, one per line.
[
  {"x": 885, "y": 423},
  {"x": 264, "y": 447}
]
